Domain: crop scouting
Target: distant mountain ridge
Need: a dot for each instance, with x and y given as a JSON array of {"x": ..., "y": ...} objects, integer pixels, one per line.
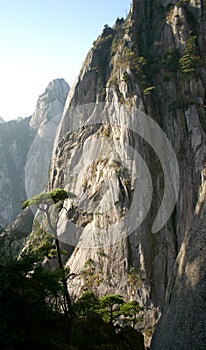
[
  {"x": 16, "y": 138},
  {"x": 51, "y": 103}
]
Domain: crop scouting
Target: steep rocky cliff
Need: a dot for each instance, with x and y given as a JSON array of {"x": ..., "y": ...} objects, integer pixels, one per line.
[
  {"x": 45, "y": 120},
  {"x": 16, "y": 138},
  {"x": 183, "y": 323},
  {"x": 153, "y": 62}
]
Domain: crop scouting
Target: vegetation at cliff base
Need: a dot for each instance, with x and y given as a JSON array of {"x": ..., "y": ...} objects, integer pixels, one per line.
[
  {"x": 37, "y": 309},
  {"x": 32, "y": 303}
]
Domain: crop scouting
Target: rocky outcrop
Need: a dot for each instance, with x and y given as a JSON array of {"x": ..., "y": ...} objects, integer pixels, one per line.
[
  {"x": 50, "y": 104},
  {"x": 16, "y": 140},
  {"x": 154, "y": 62},
  {"x": 45, "y": 120}
]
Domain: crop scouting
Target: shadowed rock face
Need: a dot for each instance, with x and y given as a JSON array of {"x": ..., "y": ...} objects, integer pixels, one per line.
[
  {"x": 16, "y": 138},
  {"x": 155, "y": 63},
  {"x": 183, "y": 322}
]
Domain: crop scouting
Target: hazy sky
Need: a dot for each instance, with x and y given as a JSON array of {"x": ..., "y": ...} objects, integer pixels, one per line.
[{"x": 41, "y": 40}]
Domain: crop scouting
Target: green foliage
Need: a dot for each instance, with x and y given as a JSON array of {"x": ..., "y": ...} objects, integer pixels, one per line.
[
  {"x": 165, "y": 78},
  {"x": 110, "y": 307},
  {"x": 51, "y": 197},
  {"x": 131, "y": 310},
  {"x": 28, "y": 295},
  {"x": 126, "y": 77},
  {"x": 35, "y": 310},
  {"x": 47, "y": 249},
  {"x": 145, "y": 69},
  {"x": 108, "y": 303},
  {"x": 128, "y": 57},
  {"x": 190, "y": 60},
  {"x": 111, "y": 299},
  {"x": 32, "y": 302},
  {"x": 89, "y": 262},
  {"x": 179, "y": 4},
  {"x": 192, "y": 20},
  {"x": 92, "y": 333},
  {"x": 140, "y": 69},
  {"x": 102, "y": 47},
  {"x": 141, "y": 63},
  {"x": 92, "y": 278},
  {"x": 41, "y": 243},
  {"x": 105, "y": 40},
  {"x": 149, "y": 89},
  {"x": 169, "y": 7},
  {"x": 119, "y": 22},
  {"x": 87, "y": 304},
  {"x": 135, "y": 278},
  {"x": 119, "y": 31},
  {"x": 171, "y": 60}
]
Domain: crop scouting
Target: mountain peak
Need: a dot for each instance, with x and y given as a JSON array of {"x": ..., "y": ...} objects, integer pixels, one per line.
[{"x": 51, "y": 103}]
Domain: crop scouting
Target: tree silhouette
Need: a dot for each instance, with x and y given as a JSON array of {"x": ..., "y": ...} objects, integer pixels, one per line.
[
  {"x": 44, "y": 201},
  {"x": 110, "y": 301},
  {"x": 87, "y": 304},
  {"x": 27, "y": 292}
]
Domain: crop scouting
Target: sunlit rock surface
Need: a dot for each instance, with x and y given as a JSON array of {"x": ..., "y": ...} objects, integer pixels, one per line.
[{"x": 143, "y": 64}]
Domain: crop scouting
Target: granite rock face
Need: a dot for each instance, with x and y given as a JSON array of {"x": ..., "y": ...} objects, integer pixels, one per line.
[
  {"x": 16, "y": 139},
  {"x": 45, "y": 120},
  {"x": 51, "y": 103},
  {"x": 183, "y": 323},
  {"x": 154, "y": 62}
]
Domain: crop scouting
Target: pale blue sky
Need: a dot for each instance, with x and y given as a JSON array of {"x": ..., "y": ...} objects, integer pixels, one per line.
[{"x": 41, "y": 40}]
